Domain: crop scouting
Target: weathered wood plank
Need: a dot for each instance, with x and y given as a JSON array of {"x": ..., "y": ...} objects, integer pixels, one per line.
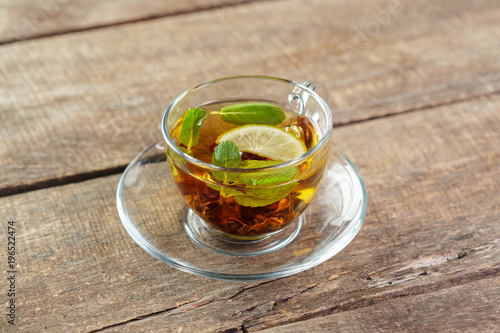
[
  {"x": 433, "y": 223},
  {"x": 468, "y": 308},
  {"x": 434, "y": 193},
  {"x": 88, "y": 102},
  {"x": 26, "y": 19}
]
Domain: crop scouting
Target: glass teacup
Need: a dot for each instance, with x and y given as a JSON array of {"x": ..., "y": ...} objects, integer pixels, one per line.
[{"x": 267, "y": 190}]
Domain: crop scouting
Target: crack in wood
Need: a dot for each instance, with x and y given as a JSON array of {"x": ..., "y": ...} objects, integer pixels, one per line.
[
  {"x": 251, "y": 308},
  {"x": 192, "y": 306},
  {"x": 417, "y": 265},
  {"x": 286, "y": 299},
  {"x": 132, "y": 320},
  {"x": 242, "y": 329},
  {"x": 142, "y": 19},
  {"x": 422, "y": 107},
  {"x": 248, "y": 288},
  {"x": 377, "y": 299},
  {"x": 412, "y": 269},
  {"x": 231, "y": 330},
  {"x": 54, "y": 182},
  {"x": 197, "y": 305}
]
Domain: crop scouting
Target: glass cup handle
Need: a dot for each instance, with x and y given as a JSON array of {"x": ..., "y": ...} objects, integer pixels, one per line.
[
  {"x": 309, "y": 85},
  {"x": 298, "y": 98}
]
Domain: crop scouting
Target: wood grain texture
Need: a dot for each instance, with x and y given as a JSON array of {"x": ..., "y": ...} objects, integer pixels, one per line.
[
  {"x": 84, "y": 104},
  {"x": 433, "y": 224},
  {"x": 468, "y": 308},
  {"x": 27, "y": 19}
]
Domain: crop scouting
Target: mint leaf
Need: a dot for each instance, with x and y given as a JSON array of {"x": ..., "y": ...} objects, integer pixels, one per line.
[
  {"x": 226, "y": 155},
  {"x": 264, "y": 188},
  {"x": 190, "y": 130},
  {"x": 250, "y": 201},
  {"x": 276, "y": 192},
  {"x": 264, "y": 196},
  {"x": 264, "y": 175},
  {"x": 252, "y": 182},
  {"x": 252, "y": 113},
  {"x": 226, "y": 192}
]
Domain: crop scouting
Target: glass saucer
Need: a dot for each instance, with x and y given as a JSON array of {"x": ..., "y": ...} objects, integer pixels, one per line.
[{"x": 157, "y": 218}]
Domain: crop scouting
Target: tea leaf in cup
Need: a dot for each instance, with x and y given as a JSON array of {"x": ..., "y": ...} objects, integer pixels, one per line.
[
  {"x": 191, "y": 125},
  {"x": 252, "y": 113}
]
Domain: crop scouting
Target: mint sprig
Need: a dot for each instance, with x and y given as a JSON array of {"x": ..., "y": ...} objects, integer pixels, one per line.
[
  {"x": 253, "y": 189},
  {"x": 226, "y": 155},
  {"x": 252, "y": 113},
  {"x": 191, "y": 125}
]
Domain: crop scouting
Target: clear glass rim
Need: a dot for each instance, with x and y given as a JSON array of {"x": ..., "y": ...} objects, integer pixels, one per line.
[{"x": 297, "y": 160}]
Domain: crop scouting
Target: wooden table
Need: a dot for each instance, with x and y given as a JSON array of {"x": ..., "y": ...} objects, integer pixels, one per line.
[{"x": 414, "y": 88}]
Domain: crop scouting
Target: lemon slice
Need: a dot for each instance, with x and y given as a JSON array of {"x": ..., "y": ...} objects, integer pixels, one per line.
[{"x": 266, "y": 141}]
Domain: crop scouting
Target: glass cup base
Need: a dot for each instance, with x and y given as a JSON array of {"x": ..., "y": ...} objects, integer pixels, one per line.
[{"x": 202, "y": 234}]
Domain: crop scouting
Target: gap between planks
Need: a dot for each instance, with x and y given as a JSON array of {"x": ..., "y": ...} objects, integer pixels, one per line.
[
  {"x": 488, "y": 273},
  {"x": 81, "y": 177},
  {"x": 190, "y": 307},
  {"x": 137, "y": 20}
]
